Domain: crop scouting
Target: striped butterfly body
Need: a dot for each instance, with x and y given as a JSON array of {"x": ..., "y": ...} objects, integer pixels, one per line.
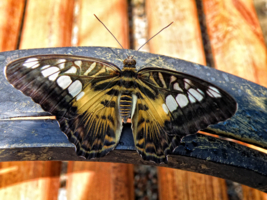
[{"x": 91, "y": 98}]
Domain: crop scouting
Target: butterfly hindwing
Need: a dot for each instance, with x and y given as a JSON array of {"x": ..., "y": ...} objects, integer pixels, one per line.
[
  {"x": 83, "y": 94},
  {"x": 151, "y": 139},
  {"x": 176, "y": 104}
]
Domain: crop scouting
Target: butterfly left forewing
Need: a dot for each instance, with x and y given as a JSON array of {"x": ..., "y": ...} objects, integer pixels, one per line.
[
  {"x": 178, "y": 104},
  {"x": 81, "y": 92}
]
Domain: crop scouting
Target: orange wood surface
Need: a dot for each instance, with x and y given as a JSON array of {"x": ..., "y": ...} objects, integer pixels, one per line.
[
  {"x": 43, "y": 27},
  {"x": 29, "y": 180},
  {"x": 253, "y": 194},
  {"x": 47, "y": 24},
  {"x": 238, "y": 48},
  {"x": 11, "y": 12},
  {"x": 181, "y": 185},
  {"x": 99, "y": 181},
  {"x": 236, "y": 39},
  {"x": 181, "y": 40},
  {"x": 95, "y": 180},
  {"x": 114, "y": 15}
]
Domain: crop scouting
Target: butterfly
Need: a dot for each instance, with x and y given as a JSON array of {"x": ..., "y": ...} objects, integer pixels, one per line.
[{"x": 92, "y": 98}]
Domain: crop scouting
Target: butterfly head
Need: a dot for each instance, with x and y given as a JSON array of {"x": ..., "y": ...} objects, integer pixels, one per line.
[{"x": 129, "y": 62}]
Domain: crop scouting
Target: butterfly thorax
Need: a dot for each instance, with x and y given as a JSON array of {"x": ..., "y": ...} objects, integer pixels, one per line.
[{"x": 128, "y": 85}]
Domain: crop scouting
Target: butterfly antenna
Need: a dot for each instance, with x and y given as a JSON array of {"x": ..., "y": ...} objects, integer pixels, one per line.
[
  {"x": 154, "y": 36},
  {"x": 108, "y": 31}
]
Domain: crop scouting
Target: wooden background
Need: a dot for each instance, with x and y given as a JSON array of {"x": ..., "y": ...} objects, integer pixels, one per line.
[{"x": 237, "y": 46}]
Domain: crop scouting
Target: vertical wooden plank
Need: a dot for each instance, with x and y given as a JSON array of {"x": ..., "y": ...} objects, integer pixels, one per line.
[
  {"x": 238, "y": 47},
  {"x": 29, "y": 180},
  {"x": 236, "y": 39},
  {"x": 181, "y": 40},
  {"x": 47, "y": 24},
  {"x": 99, "y": 181},
  {"x": 10, "y": 18},
  {"x": 179, "y": 185},
  {"x": 115, "y": 17},
  {"x": 252, "y": 194},
  {"x": 95, "y": 180}
]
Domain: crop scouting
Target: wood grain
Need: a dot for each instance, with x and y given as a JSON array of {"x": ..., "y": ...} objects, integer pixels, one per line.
[
  {"x": 181, "y": 40},
  {"x": 112, "y": 13},
  {"x": 238, "y": 47},
  {"x": 29, "y": 180},
  {"x": 180, "y": 185},
  {"x": 99, "y": 181},
  {"x": 95, "y": 180},
  {"x": 10, "y": 18},
  {"x": 45, "y": 25},
  {"x": 236, "y": 39}
]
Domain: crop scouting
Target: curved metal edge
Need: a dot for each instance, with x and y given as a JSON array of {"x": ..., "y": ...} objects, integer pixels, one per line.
[
  {"x": 43, "y": 140},
  {"x": 237, "y": 174},
  {"x": 247, "y": 125}
]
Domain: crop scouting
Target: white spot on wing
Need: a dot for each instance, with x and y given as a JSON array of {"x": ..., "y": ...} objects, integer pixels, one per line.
[
  {"x": 61, "y": 63},
  {"x": 171, "y": 103},
  {"x": 45, "y": 67},
  {"x": 200, "y": 91},
  {"x": 53, "y": 77},
  {"x": 187, "y": 83},
  {"x": 31, "y": 63},
  {"x": 182, "y": 100},
  {"x": 165, "y": 108},
  {"x": 72, "y": 70},
  {"x": 49, "y": 71},
  {"x": 214, "y": 92},
  {"x": 75, "y": 88},
  {"x": 162, "y": 80},
  {"x": 176, "y": 87},
  {"x": 92, "y": 66},
  {"x": 173, "y": 78},
  {"x": 134, "y": 100},
  {"x": 64, "y": 82},
  {"x": 196, "y": 94},
  {"x": 191, "y": 98},
  {"x": 78, "y": 63},
  {"x": 80, "y": 95}
]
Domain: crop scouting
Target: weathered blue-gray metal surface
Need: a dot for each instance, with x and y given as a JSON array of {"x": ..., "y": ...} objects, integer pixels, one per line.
[{"x": 43, "y": 140}]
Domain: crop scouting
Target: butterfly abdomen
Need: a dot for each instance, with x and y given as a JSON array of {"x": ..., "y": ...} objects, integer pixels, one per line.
[
  {"x": 125, "y": 106},
  {"x": 128, "y": 84}
]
